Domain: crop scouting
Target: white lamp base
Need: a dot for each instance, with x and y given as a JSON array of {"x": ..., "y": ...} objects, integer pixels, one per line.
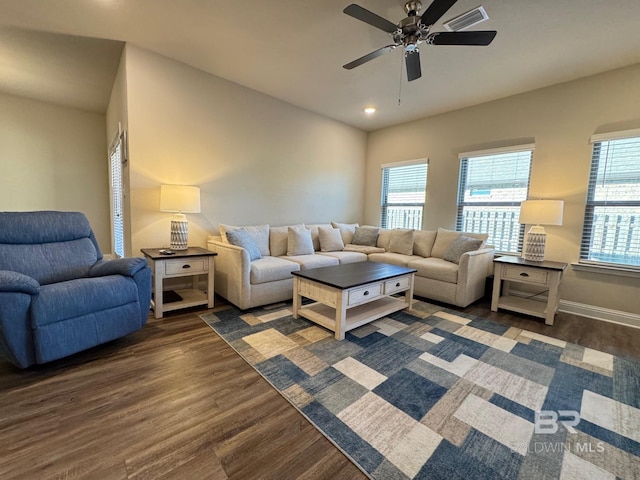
[
  {"x": 179, "y": 232},
  {"x": 534, "y": 244}
]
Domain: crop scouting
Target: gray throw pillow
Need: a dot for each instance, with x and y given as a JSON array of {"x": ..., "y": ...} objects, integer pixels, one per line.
[
  {"x": 367, "y": 236},
  {"x": 242, "y": 238},
  {"x": 459, "y": 246}
]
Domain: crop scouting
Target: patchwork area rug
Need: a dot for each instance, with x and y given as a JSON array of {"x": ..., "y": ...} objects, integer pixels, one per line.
[{"x": 432, "y": 393}]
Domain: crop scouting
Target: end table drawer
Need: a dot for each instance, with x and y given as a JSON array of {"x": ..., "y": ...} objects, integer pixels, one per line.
[
  {"x": 524, "y": 274},
  {"x": 191, "y": 266},
  {"x": 396, "y": 285},
  {"x": 364, "y": 294}
]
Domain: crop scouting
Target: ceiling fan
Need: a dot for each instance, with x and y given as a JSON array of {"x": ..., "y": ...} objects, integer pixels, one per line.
[{"x": 414, "y": 30}]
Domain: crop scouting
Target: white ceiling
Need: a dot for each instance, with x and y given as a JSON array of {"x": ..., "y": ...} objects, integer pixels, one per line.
[{"x": 294, "y": 50}]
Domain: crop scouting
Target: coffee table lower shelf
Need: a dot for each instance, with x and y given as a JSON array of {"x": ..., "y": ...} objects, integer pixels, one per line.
[{"x": 355, "y": 317}]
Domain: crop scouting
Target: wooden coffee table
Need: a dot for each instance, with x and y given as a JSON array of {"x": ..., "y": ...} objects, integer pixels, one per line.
[{"x": 350, "y": 295}]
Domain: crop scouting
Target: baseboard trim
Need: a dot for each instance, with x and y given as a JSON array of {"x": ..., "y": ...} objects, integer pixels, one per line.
[{"x": 590, "y": 311}]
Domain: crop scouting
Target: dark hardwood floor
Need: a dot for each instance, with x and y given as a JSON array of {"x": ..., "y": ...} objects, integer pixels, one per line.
[{"x": 173, "y": 401}]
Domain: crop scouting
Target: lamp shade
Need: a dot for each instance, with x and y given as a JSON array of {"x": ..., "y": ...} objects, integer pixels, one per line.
[
  {"x": 179, "y": 198},
  {"x": 541, "y": 212}
]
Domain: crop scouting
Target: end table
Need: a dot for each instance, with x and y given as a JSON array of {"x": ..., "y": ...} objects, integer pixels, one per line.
[
  {"x": 191, "y": 262},
  {"x": 517, "y": 269}
]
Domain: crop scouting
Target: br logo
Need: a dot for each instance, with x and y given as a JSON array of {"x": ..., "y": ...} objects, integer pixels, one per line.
[{"x": 546, "y": 421}]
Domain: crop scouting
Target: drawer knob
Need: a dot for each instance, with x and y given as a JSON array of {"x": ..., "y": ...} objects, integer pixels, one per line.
[
  {"x": 186, "y": 266},
  {"x": 366, "y": 292},
  {"x": 524, "y": 274},
  {"x": 398, "y": 284}
]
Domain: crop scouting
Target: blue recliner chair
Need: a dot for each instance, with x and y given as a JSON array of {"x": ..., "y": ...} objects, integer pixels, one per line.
[{"x": 57, "y": 294}]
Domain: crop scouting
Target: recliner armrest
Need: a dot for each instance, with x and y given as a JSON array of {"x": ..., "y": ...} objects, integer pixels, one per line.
[
  {"x": 11, "y": 281},
  {"x": 119, "y": 266}
]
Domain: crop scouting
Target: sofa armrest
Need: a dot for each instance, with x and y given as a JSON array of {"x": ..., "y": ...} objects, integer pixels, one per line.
[
  {"x": 11, "y": 281},
  {"x": 127, "y": 267},
  {"x": 232, "y": 272},
  {"x": 474, "y": 268}
]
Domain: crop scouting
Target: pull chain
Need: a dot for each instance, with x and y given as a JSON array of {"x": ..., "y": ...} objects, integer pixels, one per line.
[{"x": 400, "y": 85}]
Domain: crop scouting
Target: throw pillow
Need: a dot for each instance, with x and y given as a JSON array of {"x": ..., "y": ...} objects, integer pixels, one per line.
[
  {"x": 384, "y": 236},
  {"x": 445, "y": 237},
  {"x": 346, "y": 230},
  {"x": 401, "y": 241},
  {"x": 260, "y": 234},
  {"x": 279, "y": 239},
  {"x": 330, "y": 239},
  {"x": 242, "y": 238},
  {"x": 299, "y": 241},
  {"x": 367, "y": 236},
  {"x": 461, "y": 245}
]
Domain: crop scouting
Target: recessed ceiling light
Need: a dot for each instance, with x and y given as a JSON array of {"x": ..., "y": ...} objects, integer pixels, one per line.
[{"x": 370, "y": 110}]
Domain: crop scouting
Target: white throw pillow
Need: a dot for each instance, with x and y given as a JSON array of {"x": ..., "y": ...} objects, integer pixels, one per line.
[
  {"x": 401, "y": 241},
  {"x": 330, "y": 239},
  {"x": 299, "y": 241}
]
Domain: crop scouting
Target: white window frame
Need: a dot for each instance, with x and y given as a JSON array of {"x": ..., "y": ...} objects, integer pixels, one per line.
[
  {"x": 117, "y": 158},
  {"x": 507, "y": 227},
  {"x": 624, "y": 229},
  {"x": 412, "y": 212}
]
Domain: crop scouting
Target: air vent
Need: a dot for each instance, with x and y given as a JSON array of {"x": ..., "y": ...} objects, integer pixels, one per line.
[{"x": 467, "y": 19}]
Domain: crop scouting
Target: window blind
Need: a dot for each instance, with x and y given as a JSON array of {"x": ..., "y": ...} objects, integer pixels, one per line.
[
  {"x": 116, "y": 155},
  {"x": 403, "y": 195},
  {"x": 611, "y": 231},
  {"x": 492, "y": 184}
]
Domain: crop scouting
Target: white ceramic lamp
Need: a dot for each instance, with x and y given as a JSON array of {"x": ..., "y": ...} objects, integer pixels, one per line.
[
  {"x": 539, "y": 213},
  {"x": 180, "y": 199}
]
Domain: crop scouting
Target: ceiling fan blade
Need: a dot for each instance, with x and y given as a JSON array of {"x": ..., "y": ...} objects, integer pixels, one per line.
[
  {"x": 436, "y": 10},
  {"x": 481, "y": 38},
  {"x": 364, "y": 15},
  {"x": 412, "y": 60},
  {"x": 369, "y": 56}
]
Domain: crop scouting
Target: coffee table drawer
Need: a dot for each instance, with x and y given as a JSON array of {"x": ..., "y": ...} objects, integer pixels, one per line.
[
  {"x": 396, "y": 285},
  {"x": 364, "y": 294}
]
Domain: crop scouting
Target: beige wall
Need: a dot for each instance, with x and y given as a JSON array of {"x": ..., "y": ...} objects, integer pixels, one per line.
[
  {"x": 559, "y": 119},
  {"x": 54, "y": 158},
  {"x": 256, "y": 159}
]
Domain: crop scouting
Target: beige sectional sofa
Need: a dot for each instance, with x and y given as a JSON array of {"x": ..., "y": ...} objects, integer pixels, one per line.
[{"x": 254, "y": 263}]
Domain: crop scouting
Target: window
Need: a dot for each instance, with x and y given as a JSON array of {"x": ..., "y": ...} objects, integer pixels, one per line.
[
  {"x": 611, "y": 232},
  {"x": 403, "y": 194},
  {"x": 116, "y": 159},
  {"x": 492, "y": 185}
]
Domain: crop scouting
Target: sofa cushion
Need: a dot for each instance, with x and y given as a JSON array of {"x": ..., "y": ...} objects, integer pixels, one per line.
[
  {"x": 461, "y": 245},
  {"x": 279, "y": 239},
  {"x": 445, "y": 237},
  {"x": 347, "y": 230},
  {"x": 384, "y": 236},
  {"x": 365, "y": 236},
  {"x": 330, "y": 239},
  {"x": 435, "y": 269},
  {"x": 299, "y": 241},
  {"x": 260, "y": 234},
  {"x": 271, "y": 269},
  {"x": 401, "y": 241},
  {"x": 315, "y": 233},
  {"x": 346, "y": 257},
  {"x": 393, "y": 258},
  {"x": 423, "y": 242},
  {"x": 242, "y": 238},
  {"x": 313, "y": 261}
]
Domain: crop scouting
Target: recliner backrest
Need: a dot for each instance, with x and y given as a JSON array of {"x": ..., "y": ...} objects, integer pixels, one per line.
[{"x": 48, "y": 246}]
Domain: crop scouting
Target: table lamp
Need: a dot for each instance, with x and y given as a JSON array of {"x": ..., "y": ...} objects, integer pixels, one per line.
[
  {"x": 538, "y": 213},
  {"x": 180, "y": 199}
]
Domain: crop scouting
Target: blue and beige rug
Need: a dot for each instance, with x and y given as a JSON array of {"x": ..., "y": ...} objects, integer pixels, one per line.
[{"x": 436, "y": 394}]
